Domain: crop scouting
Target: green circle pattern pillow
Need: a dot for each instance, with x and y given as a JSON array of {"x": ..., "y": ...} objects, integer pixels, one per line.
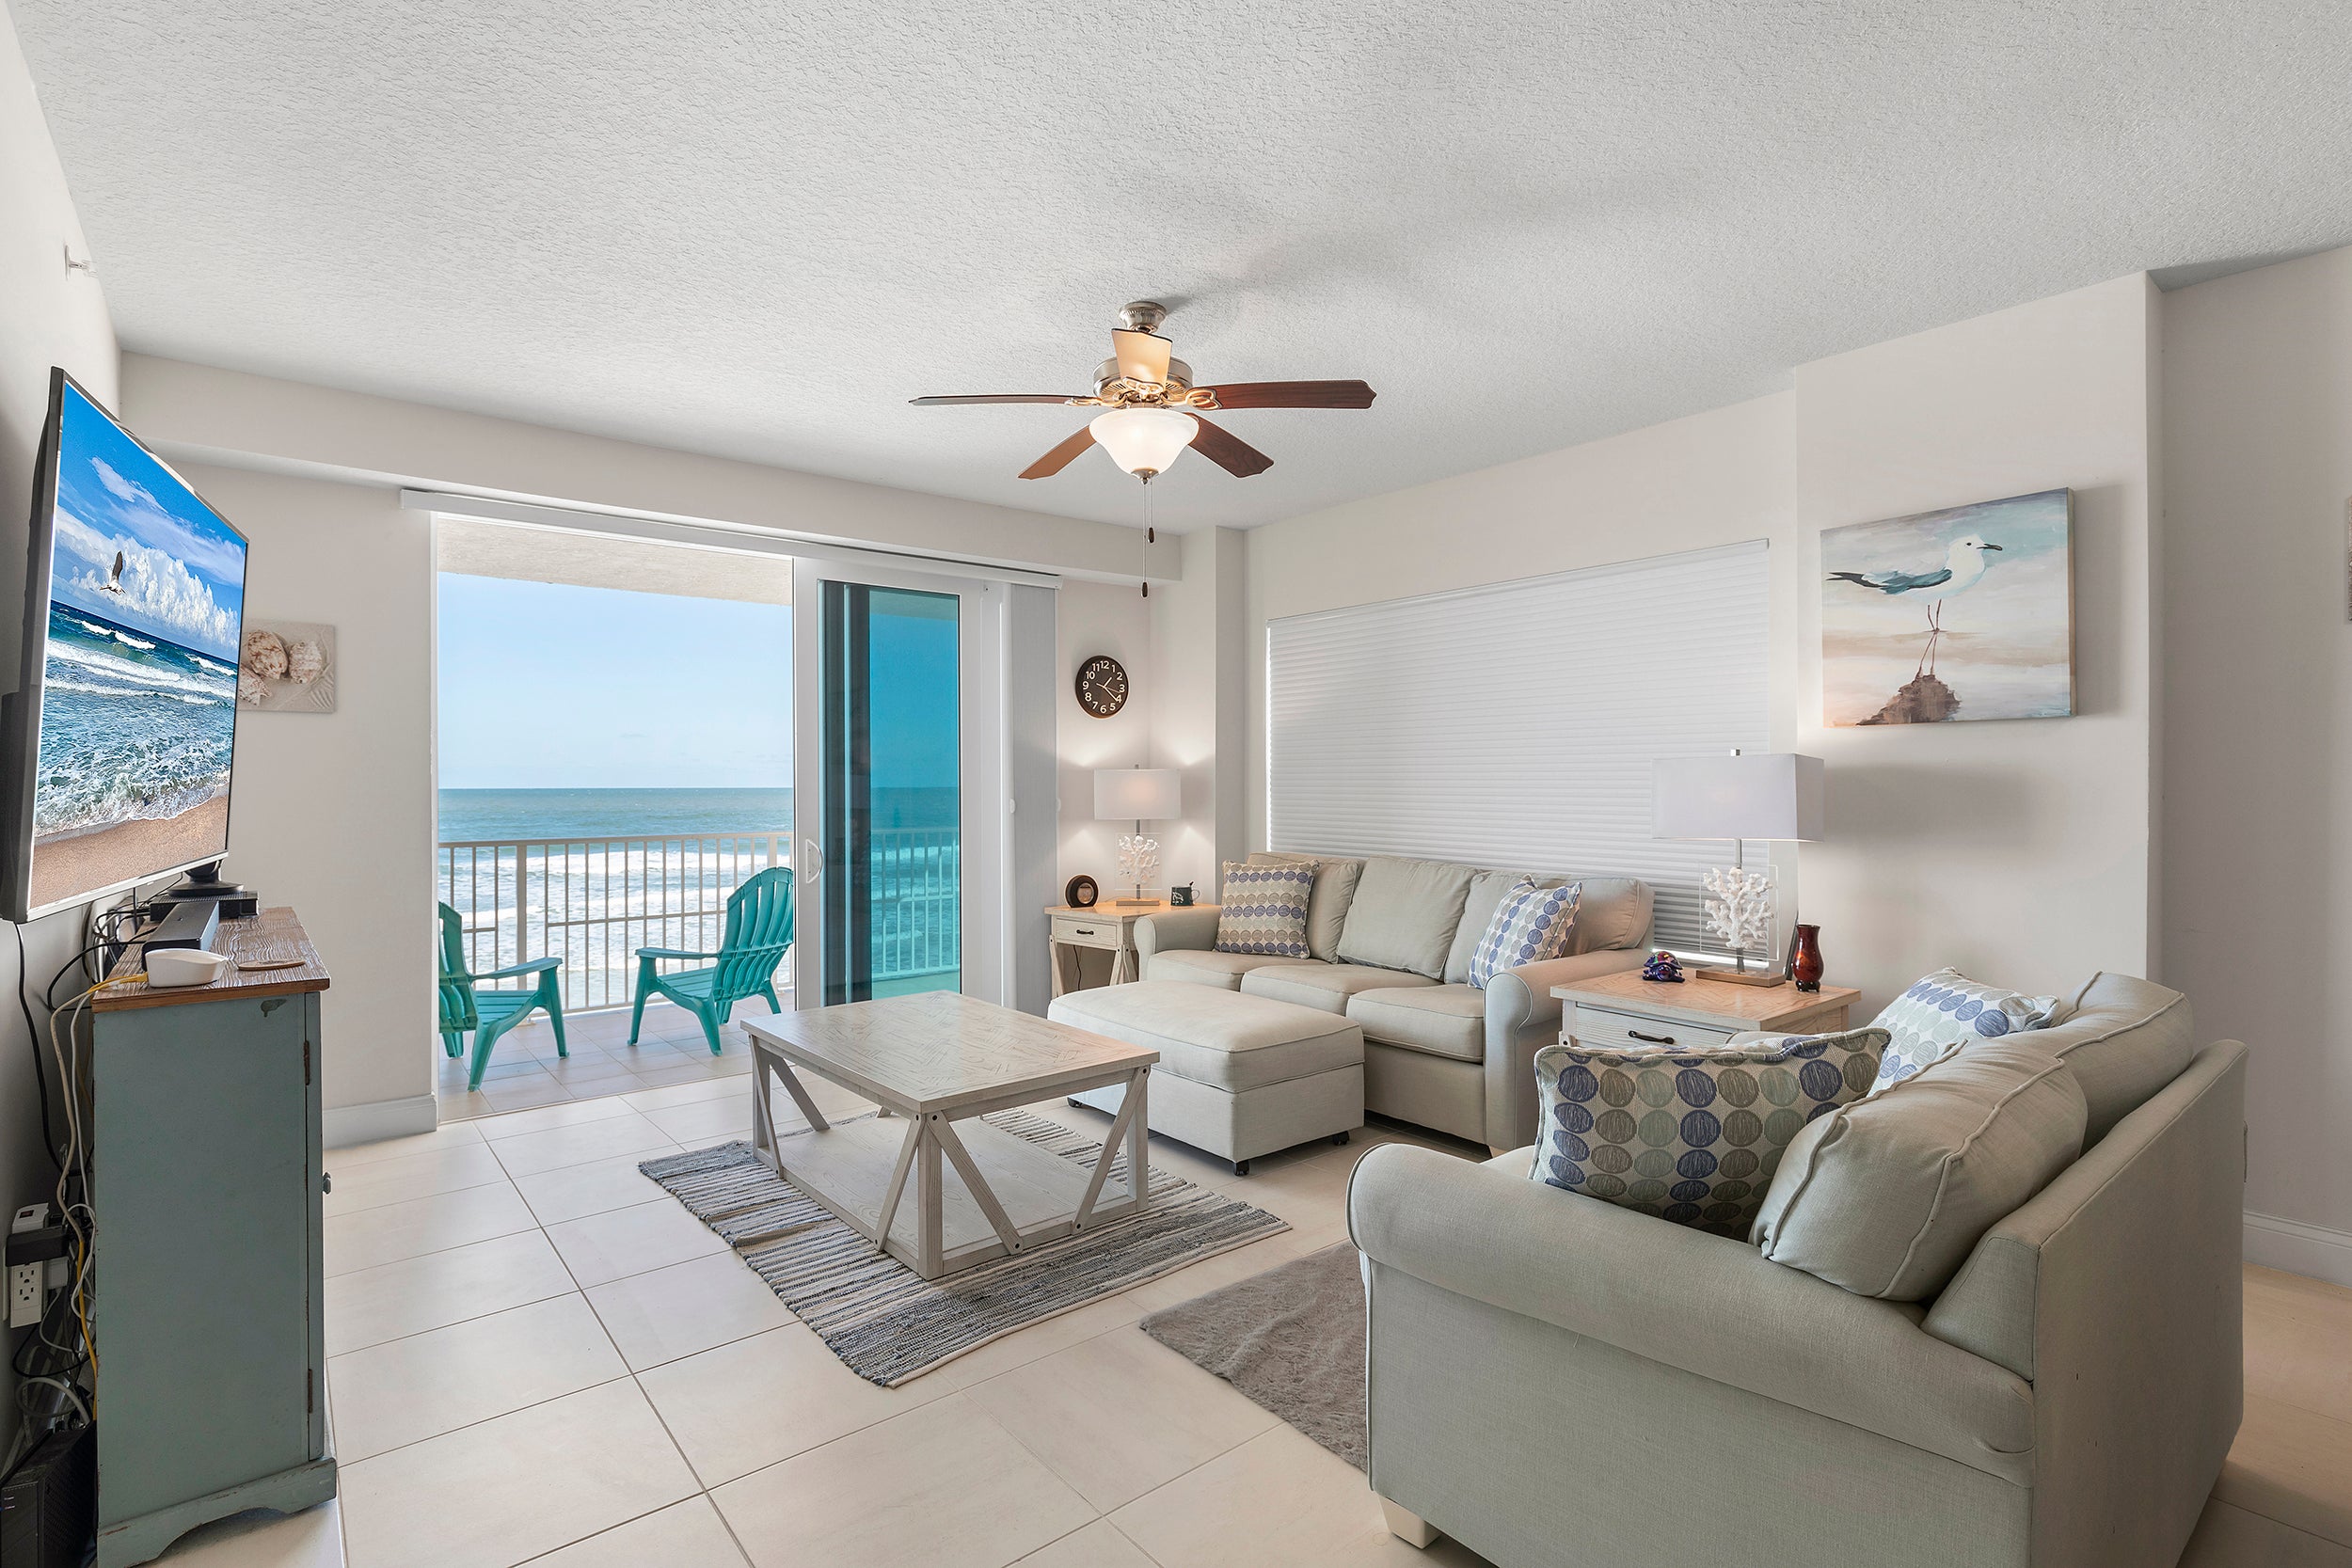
[{"x": 1692, "y": 1136}]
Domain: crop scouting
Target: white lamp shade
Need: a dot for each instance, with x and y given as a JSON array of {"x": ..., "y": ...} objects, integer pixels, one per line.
[
  {"x": 1143, "y": 440},
  {"x": 1766, "y": 795},
  {"x": 1137, "y": 794}
]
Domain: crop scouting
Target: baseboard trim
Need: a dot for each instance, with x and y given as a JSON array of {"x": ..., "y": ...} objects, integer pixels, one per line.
[
  {"x": 341, "y": 1126},
  {"x": 2312, "y": 1250}
]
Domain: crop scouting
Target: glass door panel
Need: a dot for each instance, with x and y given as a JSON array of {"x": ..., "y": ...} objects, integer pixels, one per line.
[
  {"x": 891, "y": 798},
  {"x": 891, "y": 774}
]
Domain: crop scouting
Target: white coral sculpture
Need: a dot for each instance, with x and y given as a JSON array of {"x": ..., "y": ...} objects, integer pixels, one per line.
[
  {"x": 1138, "y": 859},
  {"x": 1739, "y": 906}
]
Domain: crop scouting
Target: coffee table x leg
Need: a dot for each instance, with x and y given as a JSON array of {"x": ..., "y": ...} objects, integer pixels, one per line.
[{"x": 931, "y": 1137}]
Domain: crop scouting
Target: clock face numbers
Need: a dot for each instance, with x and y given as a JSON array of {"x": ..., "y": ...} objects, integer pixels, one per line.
[{"x": 1102, "y": 685}]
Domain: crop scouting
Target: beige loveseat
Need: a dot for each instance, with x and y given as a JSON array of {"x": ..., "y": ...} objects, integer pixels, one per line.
[
  {"x": 1388, "y": 948},
  {"x": 2064, "y": 1402}
]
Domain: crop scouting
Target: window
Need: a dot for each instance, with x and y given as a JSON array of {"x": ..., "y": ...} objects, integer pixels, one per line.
[{"x": 1514, "y": 725}]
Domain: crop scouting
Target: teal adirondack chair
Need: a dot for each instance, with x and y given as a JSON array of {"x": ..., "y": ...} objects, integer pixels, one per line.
[
  {"x": 489, "y": 1014},
  {"x": 759, "y": 930}
]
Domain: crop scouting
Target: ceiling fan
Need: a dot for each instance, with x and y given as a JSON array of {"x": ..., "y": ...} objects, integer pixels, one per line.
[{"x": 1153, "y": 409}]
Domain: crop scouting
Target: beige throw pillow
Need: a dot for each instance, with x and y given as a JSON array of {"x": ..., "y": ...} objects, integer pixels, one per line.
[{"x": 1888, "y": 1195}]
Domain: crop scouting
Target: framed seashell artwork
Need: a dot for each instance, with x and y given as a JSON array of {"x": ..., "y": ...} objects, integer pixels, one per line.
[{"x": 287, "y": 667}]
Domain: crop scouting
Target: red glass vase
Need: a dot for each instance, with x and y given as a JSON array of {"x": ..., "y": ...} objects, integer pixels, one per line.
[{"x": 1804, "y": 960}]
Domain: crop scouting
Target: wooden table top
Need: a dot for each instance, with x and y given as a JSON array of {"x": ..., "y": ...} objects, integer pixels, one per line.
[
  {"x": 268, "y": 938},
  {"x": 1702, "y": 1001},
  {"x": 939, "y": 1049}
]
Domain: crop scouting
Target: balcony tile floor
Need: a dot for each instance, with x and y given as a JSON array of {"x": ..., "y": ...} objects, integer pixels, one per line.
[
  {"x": 532, "y": 1361},
  {"x": 525, "y": 1073}
]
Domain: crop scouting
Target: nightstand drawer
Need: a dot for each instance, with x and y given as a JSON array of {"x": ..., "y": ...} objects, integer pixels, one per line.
[
  {"x": 1079, "y": 930},
  {"x": 1598, "y": 1029}
]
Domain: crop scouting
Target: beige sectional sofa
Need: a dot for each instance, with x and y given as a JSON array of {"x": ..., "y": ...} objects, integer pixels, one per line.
[
  {"x": 2064, "y": 1402},
  {"x": 1389, "y": 942}
]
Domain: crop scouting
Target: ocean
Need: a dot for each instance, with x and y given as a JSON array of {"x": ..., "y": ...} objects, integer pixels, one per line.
[
  {"x": 510, "y": 815},
  {"x": 132, "y": 726}
]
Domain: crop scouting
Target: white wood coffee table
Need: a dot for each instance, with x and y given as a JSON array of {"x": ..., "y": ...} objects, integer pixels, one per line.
[{"x": 934, "y": 1062}]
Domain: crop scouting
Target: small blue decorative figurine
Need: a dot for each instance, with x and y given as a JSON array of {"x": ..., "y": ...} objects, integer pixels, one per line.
[{"x": 1663, "y": 967}]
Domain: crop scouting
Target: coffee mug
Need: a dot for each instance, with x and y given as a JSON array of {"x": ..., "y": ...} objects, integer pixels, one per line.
[{"x": 1180, "y": 896}]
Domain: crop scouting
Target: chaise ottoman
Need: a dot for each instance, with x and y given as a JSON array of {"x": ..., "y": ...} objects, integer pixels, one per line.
[{"x": 1238, "y": 1075}]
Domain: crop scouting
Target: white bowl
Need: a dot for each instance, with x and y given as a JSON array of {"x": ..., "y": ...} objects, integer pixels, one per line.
[{"x": 186, "y": 966}]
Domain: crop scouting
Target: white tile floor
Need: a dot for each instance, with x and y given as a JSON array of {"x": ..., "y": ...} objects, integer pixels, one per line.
[
  {"x": 535, "y": 1357},
  {"x": 535, "y": 1354}
]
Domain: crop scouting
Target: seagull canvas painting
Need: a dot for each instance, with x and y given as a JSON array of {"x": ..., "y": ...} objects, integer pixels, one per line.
[{"x": 1964, "y": 614}]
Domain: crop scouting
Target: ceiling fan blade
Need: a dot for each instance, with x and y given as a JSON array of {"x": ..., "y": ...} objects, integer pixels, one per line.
[
  {"x": 1227, "y": 450},
  {"x": 1294, "y": 394},
  {"x": 990, "y": 397},
  {"x": 1055, "y": 461},
  {"x": 1141, "y": 356}
]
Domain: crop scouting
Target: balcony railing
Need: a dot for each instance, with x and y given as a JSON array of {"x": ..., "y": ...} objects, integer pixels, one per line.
[{"x": 593, "y": 902}]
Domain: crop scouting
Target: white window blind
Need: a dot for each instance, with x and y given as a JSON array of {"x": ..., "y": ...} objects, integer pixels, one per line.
[{"x": 1514, "y": 725}]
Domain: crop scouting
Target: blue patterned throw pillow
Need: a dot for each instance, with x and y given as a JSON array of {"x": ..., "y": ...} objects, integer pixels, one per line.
[
  {"x": 1264, "y": 908},
  {"x": 1947, "y": 1008},
  {"x": 1690, "y": 1136},
  {"x": 1532, "y": 924}
]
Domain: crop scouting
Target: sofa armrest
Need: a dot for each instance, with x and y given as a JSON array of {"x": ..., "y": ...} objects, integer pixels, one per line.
[
  {"x": 1712, "y": 1306},
  {"x": 1170, "y": 930},
  {"x": 1523, "y": 1017},
  {"x": 2118, "y": 1291}
]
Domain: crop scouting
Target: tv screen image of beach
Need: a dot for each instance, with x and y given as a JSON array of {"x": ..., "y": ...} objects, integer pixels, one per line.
[{"x": 138, "y": 695}]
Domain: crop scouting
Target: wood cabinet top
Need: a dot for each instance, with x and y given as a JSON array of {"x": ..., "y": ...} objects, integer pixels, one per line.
[{"x": 273, "y": 937}]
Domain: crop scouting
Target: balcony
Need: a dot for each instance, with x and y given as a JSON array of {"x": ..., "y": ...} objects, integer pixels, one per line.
[{"x": 593, "y": 902}]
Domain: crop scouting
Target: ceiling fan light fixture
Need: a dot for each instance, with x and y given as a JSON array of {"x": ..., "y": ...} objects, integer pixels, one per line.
[{"x": 1144, "y": 441}]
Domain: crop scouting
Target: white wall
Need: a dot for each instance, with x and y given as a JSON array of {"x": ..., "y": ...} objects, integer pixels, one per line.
[
  {"x": 2258, "y": 705},
  {"x": 1198, "y": 702},
  {"x": 1094, "y": 618},
  {"x": 229, "y": 417},
  {"x": 334, "y": 813},
  {"x": 2020, "y": 851},
  {"x": 48, "y": 316}
]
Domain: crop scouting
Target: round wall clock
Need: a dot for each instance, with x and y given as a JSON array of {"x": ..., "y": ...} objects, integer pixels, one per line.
[
  {"x": 1102, "y": 685},
  {"x": 1081, "y": 892}
]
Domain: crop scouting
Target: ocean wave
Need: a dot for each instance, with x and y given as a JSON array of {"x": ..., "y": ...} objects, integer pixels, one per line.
[
  {"x": 64, "y": 813},
  {"x": 126, "y": 637},
  {"x": 207, "y": 664},
  {"x": 94, "y": 631},
  {"x": 141, "y": 677}
]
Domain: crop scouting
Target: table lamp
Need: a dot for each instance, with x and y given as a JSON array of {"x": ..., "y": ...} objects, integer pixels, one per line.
[
  {"x": 1767, "y": 795},
  {"x": 1138, "y": 795}
]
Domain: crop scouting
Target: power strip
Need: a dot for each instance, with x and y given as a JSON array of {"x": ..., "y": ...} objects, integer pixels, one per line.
[{"x": 36, "y": 1249}]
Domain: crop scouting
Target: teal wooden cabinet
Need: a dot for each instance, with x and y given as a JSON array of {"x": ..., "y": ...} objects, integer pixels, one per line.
[{"x": 208, "y": 1311}]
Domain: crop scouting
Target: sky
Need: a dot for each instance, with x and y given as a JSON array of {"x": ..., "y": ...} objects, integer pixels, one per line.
[
  {"x": 184, "y": 570},
  {"x": 544, "y": 686}
]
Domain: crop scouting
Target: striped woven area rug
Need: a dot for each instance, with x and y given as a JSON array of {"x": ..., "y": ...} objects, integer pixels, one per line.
[{"x": 886, "y": 1322}]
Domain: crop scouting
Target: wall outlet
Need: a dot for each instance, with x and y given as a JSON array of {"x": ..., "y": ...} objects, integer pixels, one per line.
[{"x": 24, "y": 1293}]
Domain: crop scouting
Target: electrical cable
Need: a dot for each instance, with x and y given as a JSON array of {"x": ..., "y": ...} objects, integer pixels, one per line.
[{"x": 32, "y": 1033}]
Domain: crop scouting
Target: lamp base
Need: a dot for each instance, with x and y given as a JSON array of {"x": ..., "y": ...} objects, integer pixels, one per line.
[
  {"x": 1742, "y": 976},
  {"x": 1135, "y": 903}
]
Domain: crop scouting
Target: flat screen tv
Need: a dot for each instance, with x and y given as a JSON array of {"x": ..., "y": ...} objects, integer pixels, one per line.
[{"x": 121, "y": 736}]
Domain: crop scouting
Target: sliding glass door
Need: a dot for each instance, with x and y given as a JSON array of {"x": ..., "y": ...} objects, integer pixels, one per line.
[{"x": 896, "y": 848}]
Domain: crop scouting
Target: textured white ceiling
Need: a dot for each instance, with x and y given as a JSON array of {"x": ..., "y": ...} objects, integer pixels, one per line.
[{"x": 755, "y": 229}]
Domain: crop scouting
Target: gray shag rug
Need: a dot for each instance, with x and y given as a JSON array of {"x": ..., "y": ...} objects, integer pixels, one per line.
[
  {"x": 1291, "y": 1338},
  {"x": 885, "y": 1322}
]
